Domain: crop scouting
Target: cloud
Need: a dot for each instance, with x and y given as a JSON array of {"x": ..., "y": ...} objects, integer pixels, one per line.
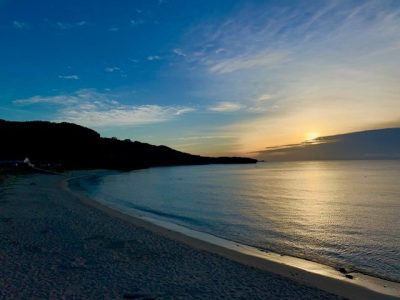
[
  {"x": 206, "y": 137},
  {"x": 225, "y": 107},
  {"x": 82, "y": 23},
  {"x": 113, "y": 28},
  {"x": 153, "y": 57},
  {"x": 120, "y": 115},
  {"x": 260, "y": 37},
  {"x": 247, "y": 62},
  {"x": 112, "y": 69},
  {"x": 256, "y": 106},
  {"x": 264, "y": 97},
  {"x": 263, "y": 103},
  {"x": 20, "y": 25},
  {"x": 61, "y": 99},
  {"x": 372, "y": 144},
  {"x": 325, "y": 66},
  {"x": 92, "y": 108},
  {"x": 179, "y": 52},
  {"x": 67, "y": 25},
  {"x": 134, "y": 22},
  {"x": 69, "y": 77}
]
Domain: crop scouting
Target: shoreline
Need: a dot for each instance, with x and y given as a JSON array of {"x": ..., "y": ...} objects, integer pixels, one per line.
[
  {"x": 54, "y": 246},
  {"x": 300, "y": 270}
]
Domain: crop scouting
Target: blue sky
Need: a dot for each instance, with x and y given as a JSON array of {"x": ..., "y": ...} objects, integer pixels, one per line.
[{"x": 208, "y": 77}]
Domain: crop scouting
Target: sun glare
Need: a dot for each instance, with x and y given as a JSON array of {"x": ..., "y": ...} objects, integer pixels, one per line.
[{"x": 311, "y": 136}]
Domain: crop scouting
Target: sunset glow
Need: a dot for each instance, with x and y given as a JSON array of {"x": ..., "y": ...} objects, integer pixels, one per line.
[
  {"x": 311, "y": 136},
  {"x": 200, "y": 149},
  {"x": 222, "y": 78}
]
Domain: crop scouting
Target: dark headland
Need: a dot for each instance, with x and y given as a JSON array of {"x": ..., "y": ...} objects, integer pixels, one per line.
[{"x": 72, "y": 146}]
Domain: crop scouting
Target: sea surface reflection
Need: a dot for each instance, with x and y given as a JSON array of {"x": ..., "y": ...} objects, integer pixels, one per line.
[{"x": 341, "y": 213}]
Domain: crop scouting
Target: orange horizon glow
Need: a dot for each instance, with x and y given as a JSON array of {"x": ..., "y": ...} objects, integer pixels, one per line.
[{"x": 310, "y": 136}]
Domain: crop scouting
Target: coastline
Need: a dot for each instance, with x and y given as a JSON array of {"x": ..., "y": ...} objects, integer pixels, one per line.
[
  {"x": 353, "y": 285},
  {"x": 54, "y": 246}
]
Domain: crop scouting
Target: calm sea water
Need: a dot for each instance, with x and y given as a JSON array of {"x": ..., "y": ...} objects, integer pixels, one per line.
[{"x": 340, "y": 213}]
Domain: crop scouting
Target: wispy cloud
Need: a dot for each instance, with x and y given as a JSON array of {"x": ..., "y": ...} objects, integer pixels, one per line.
[
  {"x": 59, "y": 99},
  {"x": 375, "y": 144},
  {"x": 259, "y": 105},
  {"x": 113, "y": 28},
  {"x": 263, "y": 103},
  {"x": 153, "y": 57},
  {"x": 136, "y": 22},
  {"x": 225, "y": 107},
  {"x": 20, "y": 25},
  {"x": 69, "y": 25},
  {"x": 179, "y": 52},
  {"x": 326, "y": 66},
  {"x": 69, "y": 77},
  {"x": 82, "y": 23},
  {"x": 264, "y": 97},
  {"x": 247, "y": 62},
  {"x": 112, "y": 69},
  {"x": 121, "y": 115},
  {"x": 257, "y": 38},
  {"x": 92, "y": 108},
  {"x": 205, "y": 137}
]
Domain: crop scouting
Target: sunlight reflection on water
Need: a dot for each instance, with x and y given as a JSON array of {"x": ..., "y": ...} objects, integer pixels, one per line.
[{"x": 340, "y": 213}]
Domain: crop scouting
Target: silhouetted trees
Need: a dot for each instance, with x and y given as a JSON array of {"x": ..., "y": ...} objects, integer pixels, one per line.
[{"x": 75, "y": 147}]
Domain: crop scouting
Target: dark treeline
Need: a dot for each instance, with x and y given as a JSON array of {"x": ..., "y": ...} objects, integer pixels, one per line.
[{"x": 71, "y": 146}]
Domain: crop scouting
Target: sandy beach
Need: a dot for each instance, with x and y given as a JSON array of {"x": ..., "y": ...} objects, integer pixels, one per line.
[
  {"x": 53, "y": 246},
  {"x": 56, "y": 243}
]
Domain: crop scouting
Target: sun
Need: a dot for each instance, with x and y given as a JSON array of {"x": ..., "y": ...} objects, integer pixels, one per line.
[{"x": 310, "y": 136}]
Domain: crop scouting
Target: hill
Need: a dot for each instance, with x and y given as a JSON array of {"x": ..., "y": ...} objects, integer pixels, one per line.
[{"x": 76, "y": 147}]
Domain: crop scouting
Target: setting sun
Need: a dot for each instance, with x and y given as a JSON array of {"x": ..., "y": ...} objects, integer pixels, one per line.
[
  {"x": 311, "y": 136},
  {"x": 265, "y": 134}
]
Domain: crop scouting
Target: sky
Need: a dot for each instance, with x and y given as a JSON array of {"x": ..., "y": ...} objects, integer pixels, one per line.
[
  {"x": 367, "y": 145},
  {"x": 207, "y": 77}
]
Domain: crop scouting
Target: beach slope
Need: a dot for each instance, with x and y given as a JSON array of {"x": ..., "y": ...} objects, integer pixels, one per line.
[{"x": 54, "y": 246}]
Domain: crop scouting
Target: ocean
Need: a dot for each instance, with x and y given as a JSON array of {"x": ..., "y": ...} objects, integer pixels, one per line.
[{"x": 339, "y": 213}]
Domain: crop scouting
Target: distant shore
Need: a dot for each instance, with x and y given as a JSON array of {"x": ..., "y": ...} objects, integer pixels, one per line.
[{"x": 57, "y": 245}]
